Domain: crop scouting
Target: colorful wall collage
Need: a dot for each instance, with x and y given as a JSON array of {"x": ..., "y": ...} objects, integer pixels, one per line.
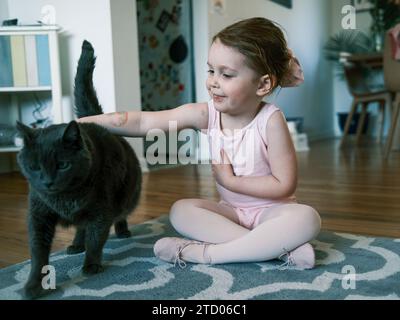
[{"x": 166, "y": 64}]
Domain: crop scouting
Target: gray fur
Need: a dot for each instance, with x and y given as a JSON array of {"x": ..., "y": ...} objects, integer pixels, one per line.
[{"x": 80, "y": 175}]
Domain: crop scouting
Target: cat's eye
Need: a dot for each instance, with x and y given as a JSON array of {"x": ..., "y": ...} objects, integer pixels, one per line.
[{"x": 63, "y": 165}]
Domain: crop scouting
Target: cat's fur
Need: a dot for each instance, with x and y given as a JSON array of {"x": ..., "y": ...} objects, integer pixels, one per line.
[{"x": 78, "y": 174}]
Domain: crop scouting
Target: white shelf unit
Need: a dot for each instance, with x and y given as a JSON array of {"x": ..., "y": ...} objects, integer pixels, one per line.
[
  {"x": 55, "y": 76},
  {"x": 25, "y": 89},
  {"x": 10, "y": 149}
]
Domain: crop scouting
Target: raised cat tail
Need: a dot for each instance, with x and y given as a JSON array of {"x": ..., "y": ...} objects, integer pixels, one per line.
[{"x": 86, "y": 102}]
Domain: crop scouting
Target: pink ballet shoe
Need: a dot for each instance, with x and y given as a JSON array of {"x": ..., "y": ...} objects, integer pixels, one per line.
[
  {"x": 302, "y": 257},
  {"x": 170, "y": 250}
]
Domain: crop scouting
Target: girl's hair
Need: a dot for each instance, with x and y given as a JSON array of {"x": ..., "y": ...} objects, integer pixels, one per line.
[{"x": 262, "y": 43}]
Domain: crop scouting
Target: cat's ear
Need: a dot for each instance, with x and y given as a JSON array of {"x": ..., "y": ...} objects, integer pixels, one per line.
[
  {"x": 72, "y": 136},
  {"x": 25, "y": 132}
]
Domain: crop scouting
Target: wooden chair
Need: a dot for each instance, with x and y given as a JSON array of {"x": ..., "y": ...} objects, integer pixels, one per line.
[
  {"x": 363, "y": 93},
  {"x": 391, "y": 71}
]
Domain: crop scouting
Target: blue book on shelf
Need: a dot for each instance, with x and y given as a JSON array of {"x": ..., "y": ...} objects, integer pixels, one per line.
[
  {"x": 6, "y": 72},
  {"x": 43, "y": 57}
]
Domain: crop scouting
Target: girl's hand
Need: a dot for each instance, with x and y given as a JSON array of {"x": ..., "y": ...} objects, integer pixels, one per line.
[{"x": 223, "y": 172}]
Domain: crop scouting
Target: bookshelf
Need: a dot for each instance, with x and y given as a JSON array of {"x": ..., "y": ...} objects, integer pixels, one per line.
[{"x": 29, "y": 62}]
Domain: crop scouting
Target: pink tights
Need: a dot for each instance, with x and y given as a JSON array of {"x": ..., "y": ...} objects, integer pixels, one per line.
[{"x": 279, "y": 229}]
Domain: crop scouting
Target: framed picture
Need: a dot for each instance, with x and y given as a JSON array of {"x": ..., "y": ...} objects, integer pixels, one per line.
[
  {"x": 285, "y": 3},
  {"x": 362, "y": 5}
]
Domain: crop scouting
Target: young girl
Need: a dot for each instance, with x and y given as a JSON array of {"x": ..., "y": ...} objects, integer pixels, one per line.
[{"x": 253, "y": 158}]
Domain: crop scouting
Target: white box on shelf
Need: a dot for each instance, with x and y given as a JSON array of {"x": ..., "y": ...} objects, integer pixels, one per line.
[
  {"x": 292, "y": 127},
  {"x": 300, "y": 142}
]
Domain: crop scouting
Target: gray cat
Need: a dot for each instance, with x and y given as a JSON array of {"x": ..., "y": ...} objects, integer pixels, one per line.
[{"x": 78, "y": 174}]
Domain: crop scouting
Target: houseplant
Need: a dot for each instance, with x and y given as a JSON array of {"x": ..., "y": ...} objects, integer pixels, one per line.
[
  {"x": 345, "y": 43},
  {"x": 385, "y": 15}
]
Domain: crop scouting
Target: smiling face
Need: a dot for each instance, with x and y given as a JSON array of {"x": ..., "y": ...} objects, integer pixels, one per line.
[{"x": 233, "y": 86}]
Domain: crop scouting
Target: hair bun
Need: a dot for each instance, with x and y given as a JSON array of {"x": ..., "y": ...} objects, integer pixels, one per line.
[{"x": 294, "y": 75}]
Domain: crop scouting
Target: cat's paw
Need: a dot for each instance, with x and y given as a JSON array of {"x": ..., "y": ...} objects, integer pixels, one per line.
[
  {"x": 124, "y": 234},
  {"x": 75, "y": 249},
  {"x": 92, "y": 269},
  {"x": 34, "y": 290}
]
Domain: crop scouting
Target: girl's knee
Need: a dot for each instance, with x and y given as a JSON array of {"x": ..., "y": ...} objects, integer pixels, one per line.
[
  {"x": 180, "y": 209},
  {"x": 311, "y": 218}
]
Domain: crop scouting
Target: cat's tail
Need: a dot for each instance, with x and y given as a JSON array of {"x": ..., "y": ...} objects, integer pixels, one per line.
[{"x": 86, "y": 102}]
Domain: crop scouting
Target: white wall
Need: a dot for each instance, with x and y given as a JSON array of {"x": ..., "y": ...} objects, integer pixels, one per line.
[
  {"x": 307, "y": 26},
  {"x": 201, "y": 38},
  {"x": 125, "y": 49},
  {"x": 3, "y": 10},
  {"x": 341, "y": 96}
]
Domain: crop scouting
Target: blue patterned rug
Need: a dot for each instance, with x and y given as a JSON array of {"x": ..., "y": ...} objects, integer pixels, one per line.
[{"x": 348, "y": 267}]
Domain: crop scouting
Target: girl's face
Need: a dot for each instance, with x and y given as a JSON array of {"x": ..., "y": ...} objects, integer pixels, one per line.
[{"x": 231, "y": 83}]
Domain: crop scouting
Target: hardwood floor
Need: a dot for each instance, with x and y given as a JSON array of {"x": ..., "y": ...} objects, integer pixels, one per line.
[{"x": 353, "y": 189}]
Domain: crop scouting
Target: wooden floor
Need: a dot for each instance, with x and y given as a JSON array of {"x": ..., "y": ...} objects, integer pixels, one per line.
[{"x": 354, "y": 190}]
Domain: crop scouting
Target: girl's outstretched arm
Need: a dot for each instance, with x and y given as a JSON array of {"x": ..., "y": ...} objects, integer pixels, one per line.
[{"x": 138, "y": 123}]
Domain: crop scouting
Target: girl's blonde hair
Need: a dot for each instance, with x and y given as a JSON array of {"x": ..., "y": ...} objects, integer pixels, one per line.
[{"x": 262, "y": 43}]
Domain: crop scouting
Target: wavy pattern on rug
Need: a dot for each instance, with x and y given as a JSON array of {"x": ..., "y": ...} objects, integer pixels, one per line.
[{"x": 132, "y": 272}]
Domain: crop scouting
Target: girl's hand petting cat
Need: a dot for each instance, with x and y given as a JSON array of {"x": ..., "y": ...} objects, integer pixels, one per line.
[{"x": 223, "y": 172}]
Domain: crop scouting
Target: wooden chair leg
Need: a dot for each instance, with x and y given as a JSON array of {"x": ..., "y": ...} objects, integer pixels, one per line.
[
  {"x": 395, "y": 116},
  {"x": 381, "y": 121},
  {"x": 361, "y": 121},
  {"x": 348, "y": 121}
]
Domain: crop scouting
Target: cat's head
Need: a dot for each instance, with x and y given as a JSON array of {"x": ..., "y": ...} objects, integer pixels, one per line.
[{"x": 54, "y": 159}]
